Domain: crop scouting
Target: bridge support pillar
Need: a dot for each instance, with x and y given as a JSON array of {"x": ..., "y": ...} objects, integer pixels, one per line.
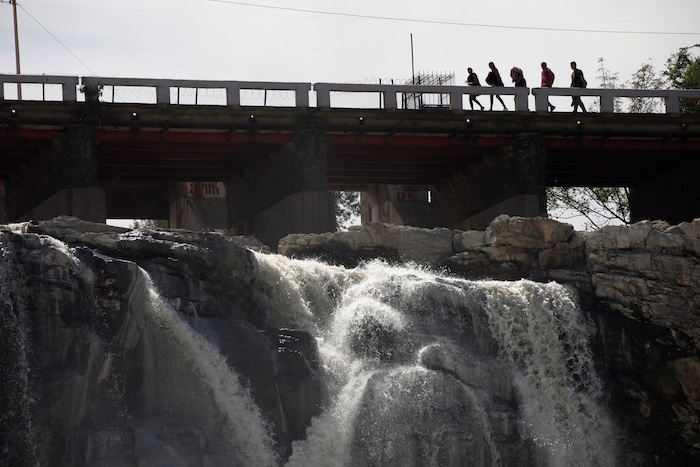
[
  {"x": 198, "y": 206},
  {"x": 397, "y": 204},
  {"x": 513, "y": 183},
  {"x": 673, "y": 196},
  {"x": 62, "y": 181},
  {"x": 286, "y": 193}
]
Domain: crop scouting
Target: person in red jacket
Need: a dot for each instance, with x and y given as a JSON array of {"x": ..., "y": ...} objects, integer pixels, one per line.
[{"x": 547, "y": 82}]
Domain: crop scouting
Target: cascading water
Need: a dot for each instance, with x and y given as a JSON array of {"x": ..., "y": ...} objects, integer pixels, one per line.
[
  {"x": 184, "y": 365},
  {"x": 420, "y": 369},
  {"x": 17, "y": 400},
  {"x": 425, "y": 369}
]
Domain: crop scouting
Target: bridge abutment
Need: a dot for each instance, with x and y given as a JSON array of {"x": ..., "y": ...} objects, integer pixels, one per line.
[
  {"x": 285, "y": 193},
  {"x": 61, "y": 180}
]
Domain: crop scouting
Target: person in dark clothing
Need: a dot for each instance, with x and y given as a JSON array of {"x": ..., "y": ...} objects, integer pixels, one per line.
[
  {"x": 473, "y": 80},
  {"x": 547, "y": 82},
  {"x": 577, "y": 81},
  {"x": 494, "y": 79},
  {"x": 518, "y": 77}
]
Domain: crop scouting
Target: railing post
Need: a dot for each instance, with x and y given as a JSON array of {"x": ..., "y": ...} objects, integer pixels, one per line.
[
  {"x": 540, "y": 99},
  {"x": 607, "y": 102},
  {"x": 162, "y": 94},
  {"x": 233, "y": 96},
  {"x": 390, "y": 98},
  {"x": 301, "y": 95},
  {"x": 456, "y": 100},
  {"x": 673, "y": 105},
  {"x": 521, "y": 99},
  {"x": 323, "y": 95},
  {"x": 69, "y": 91}
]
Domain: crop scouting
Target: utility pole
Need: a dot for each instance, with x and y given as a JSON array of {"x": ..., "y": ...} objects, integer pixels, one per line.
[
  {"x": 413, "y": 68},
  {"x": 19, "y": 85}
]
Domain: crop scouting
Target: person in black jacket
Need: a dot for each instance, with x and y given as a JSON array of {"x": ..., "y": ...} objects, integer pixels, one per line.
[
  {"x": 473, "y": 80},
  {"x": 577, "y": 81},
  {"x": 494, "y": 79}
]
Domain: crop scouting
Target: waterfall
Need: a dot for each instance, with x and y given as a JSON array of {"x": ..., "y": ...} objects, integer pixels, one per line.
[
  {"x": 428, "y": 369},
  {"x": 19, "y": 446},
  {"x": 198, "y": 361},
  {"x": 420, "y": 368},
  {"x": 542, "y": 333}
]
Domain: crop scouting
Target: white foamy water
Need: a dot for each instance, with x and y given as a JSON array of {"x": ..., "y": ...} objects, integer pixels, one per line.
[
  {"x": 242, "y": 419},
  {"x": 540, "y": 334},
  {"x": 15, "y": 423}
]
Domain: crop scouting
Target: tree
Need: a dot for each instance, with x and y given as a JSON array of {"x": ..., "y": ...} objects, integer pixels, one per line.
[
  {"x": 646, "y": 78},
  {"x": 683, "y": 72},
  {"x": 599, "y": 206},
  {"x": 149, "y": 224},
  {"x": 606, "y": 80},
  {"x": 347, "y": 208}
]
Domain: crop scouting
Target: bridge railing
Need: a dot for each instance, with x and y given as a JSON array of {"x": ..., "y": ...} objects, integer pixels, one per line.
[
  {"x": 671, "y": 97},
  {"x": 389, "y": 93},
  {"x": 391, "y": 96},
  {"x": 67, "y": 86},
  {"x": 232, "y": 89}
]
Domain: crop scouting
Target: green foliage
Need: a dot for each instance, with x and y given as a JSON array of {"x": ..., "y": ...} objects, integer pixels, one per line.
[
  {"x": 150, "y": 224},
  {"x": 600, "y": 206},
  {"x": 646, "y": 78},
  {"x": 606, "y": 80},
  {"x": 683, "y": 72},
  {"x": 92, "y": 91},
  {"x": 347, "y": 208}
]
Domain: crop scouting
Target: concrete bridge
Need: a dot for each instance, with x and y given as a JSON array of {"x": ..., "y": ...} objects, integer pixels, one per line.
[{"x": 262, "y": 157}]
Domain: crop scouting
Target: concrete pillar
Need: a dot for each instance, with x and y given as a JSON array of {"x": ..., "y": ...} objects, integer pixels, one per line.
[
  {"x": 62, "y": 181},
  {"x": 198, "y": 206},
  {"x": 673, "y": 196},
  {"x": 285, "y": 193},
  {"x": 511, "y": 182},
  {"x": 398, "y": 205},
  {"x": 74, "y": 165}
]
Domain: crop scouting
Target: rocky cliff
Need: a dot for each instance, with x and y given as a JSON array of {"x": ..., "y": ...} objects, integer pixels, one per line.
[{"x": 85, "y": 353}]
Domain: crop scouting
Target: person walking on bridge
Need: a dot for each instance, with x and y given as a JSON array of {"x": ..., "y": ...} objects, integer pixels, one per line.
[
  {"x": 516, "y": 74},
  {"x": 547, "y": 82},
  {"x": 577, "y": 81},
  {"x": 473, "y": 80},
  {"x": 494, "y": 79}
]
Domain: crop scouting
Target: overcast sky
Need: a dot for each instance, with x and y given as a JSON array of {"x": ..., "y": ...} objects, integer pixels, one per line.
[{"x": 358, "y": 41}]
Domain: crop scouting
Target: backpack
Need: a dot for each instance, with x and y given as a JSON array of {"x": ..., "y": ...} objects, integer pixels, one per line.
[{"x": 551, "y": 76}]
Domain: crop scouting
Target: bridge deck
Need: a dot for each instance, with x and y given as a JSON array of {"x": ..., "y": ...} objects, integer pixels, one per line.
[{"x": 155, "y": 143}]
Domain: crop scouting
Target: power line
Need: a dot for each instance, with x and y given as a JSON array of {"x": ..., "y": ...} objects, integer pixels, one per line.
[
  {"x": 57, "y": 40},
  {"x": 449, "y": 23}
]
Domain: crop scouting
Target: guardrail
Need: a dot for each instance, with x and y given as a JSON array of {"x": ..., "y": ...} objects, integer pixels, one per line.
[
  {"x": 607, "y": 97},
  {"x": 390, "y": 94},
  {"x": 390, "y": 91},
  {"x": 232, "y": 88},
  {"x": 69, "y": 84}
]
